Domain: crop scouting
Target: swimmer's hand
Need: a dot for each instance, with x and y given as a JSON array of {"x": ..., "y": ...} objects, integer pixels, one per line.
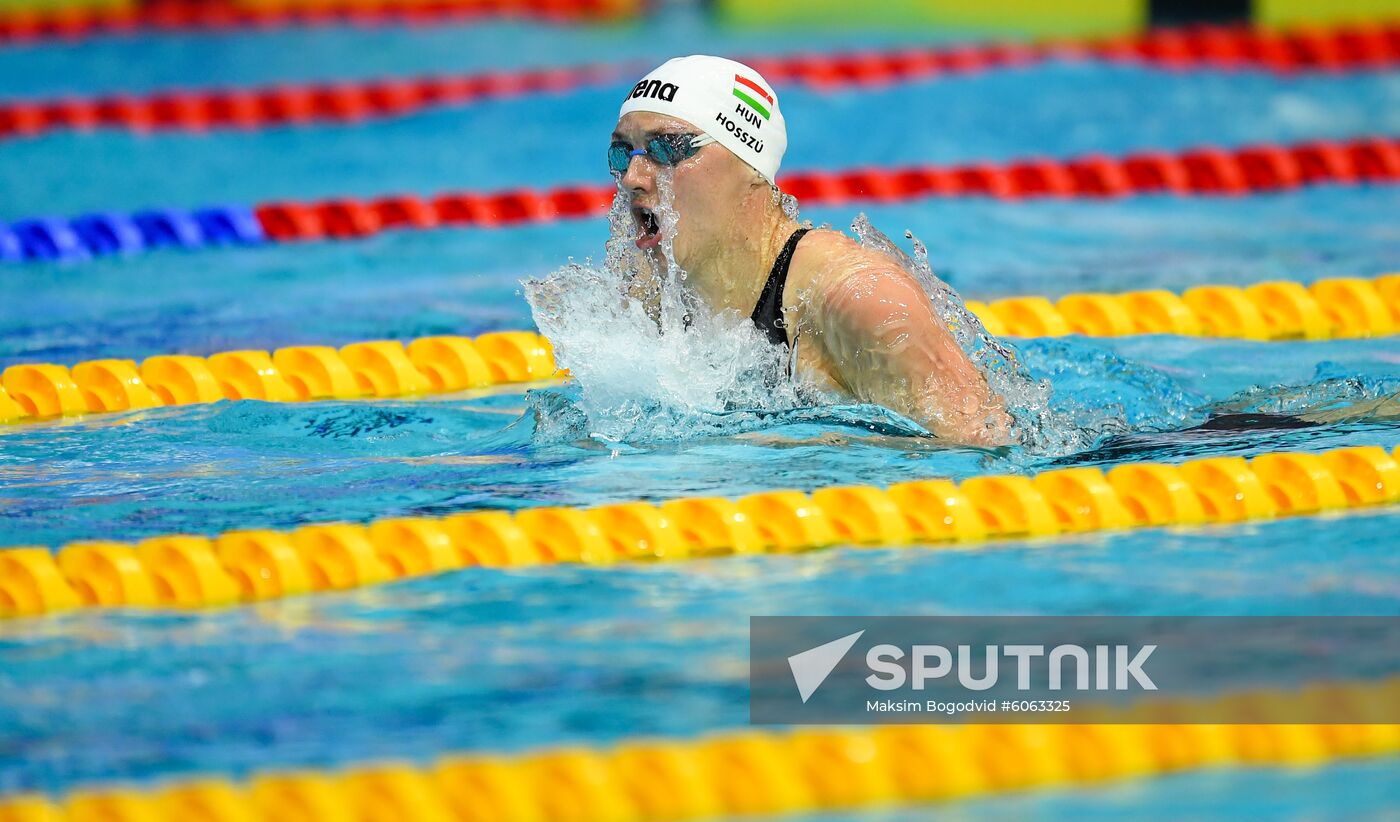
[
  {"x": 882, "y": 341},
  {"x": 776, "y": 441},
  {"x": 834, "y": 439}
]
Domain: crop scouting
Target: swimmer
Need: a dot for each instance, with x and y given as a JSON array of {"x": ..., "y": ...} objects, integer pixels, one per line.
[{"x": 855, "y": 320}]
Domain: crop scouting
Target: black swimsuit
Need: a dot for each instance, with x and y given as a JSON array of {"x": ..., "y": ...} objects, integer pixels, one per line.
[{"x": 768, "y": 314}]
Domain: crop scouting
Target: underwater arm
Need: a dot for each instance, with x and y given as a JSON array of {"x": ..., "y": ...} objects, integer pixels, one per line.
[{"x": 886, "y": 345}]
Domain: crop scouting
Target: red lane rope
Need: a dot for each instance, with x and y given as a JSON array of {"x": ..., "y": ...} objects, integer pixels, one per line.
[
  {"x": 273, "y": 106},
  {"x": 220, "y": 15},
  {"x": 1201, "y": 171},
  {"x": 1337, "y": 49}
]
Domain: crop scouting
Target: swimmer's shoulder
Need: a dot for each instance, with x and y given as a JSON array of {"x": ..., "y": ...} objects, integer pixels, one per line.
[
  {"x": 821, "y": 248},
  {"x": 828, "y": 260}
]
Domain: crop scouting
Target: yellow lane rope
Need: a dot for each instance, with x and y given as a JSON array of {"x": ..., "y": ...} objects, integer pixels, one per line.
[
  {"x": 183, "y": 571},
  {"x": 1341, "y": 307},
  {"x": 379, "y": 368},
  {"x": 760, "y": 772}
]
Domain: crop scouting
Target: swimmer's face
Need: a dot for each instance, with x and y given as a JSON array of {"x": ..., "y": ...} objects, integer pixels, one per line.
[{"x": 708, "y": 188}]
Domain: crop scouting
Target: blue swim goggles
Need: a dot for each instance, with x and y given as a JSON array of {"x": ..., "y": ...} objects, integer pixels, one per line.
[{"x": 666, "y": 149}]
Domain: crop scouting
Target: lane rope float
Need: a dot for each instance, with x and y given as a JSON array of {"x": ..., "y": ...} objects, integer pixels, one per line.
[
  {"x": 1330, "y": 308},
  {"x": 762, "y": 772},
  {"x": 377, "y": 368},
  {"x": 290, "y": 104},
  {"x": 1338, "y": 49},
  {"x": 75, "y": 21},
  {"x": 1280, "y": 310},
  {"x": 1343, "y": 307},
  {"x": 187, "y": 571},
  {"x": 1193, "y": 172}
]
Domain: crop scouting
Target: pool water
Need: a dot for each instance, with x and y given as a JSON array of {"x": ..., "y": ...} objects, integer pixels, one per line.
[{"x": 499, "y": 660}]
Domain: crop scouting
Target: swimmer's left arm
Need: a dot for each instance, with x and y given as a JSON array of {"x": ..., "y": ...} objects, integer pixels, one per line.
[{"x": 886, "y": 345}]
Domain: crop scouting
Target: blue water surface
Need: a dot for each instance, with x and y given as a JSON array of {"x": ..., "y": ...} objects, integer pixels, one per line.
[
  {"x": 468, "y": 281},
  {"x": 1051, "y": 110},
  {"x": 209, "y": 468},
  {"x": 1352, "y": 791},
  {"x": 321, "y": 53},
  {"x": 494, "y": 660}
]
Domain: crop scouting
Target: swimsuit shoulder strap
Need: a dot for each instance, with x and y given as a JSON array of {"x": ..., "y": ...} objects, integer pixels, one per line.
[{"x": 768, "y": 314}]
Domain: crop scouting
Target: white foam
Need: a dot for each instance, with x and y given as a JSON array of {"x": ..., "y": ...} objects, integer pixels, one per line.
[
  {"x": 649, "y": 357},
  {"x": 652, "y": 361}
]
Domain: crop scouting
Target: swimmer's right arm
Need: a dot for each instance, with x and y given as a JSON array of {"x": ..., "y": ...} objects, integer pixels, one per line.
[{"x": 888, "y": 346}]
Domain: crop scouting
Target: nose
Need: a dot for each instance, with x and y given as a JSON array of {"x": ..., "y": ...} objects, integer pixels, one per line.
[{"x": 640, "y": 177}]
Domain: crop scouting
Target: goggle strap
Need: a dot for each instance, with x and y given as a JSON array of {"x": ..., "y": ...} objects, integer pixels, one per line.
[{"x": 701, "y": 140}]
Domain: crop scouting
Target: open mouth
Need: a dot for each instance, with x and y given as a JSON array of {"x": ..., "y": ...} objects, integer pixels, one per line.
[{"x": 648, "y": 227}]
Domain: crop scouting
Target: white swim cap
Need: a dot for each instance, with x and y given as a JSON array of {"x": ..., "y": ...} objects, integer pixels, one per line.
[{"x": 727, "y": 100}]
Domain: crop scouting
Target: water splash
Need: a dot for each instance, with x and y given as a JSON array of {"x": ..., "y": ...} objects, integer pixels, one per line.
[
  {"x": 1333, "y": 394},
  {"x": 556, "y": 417},
  {"x": 1026, "y": 398},
  {"x": 653, "y": 362},
  {"x": 1063, "y": 396},
  {"x": 789, "y": 205},
  {"x": 1098, "y": 394}
]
